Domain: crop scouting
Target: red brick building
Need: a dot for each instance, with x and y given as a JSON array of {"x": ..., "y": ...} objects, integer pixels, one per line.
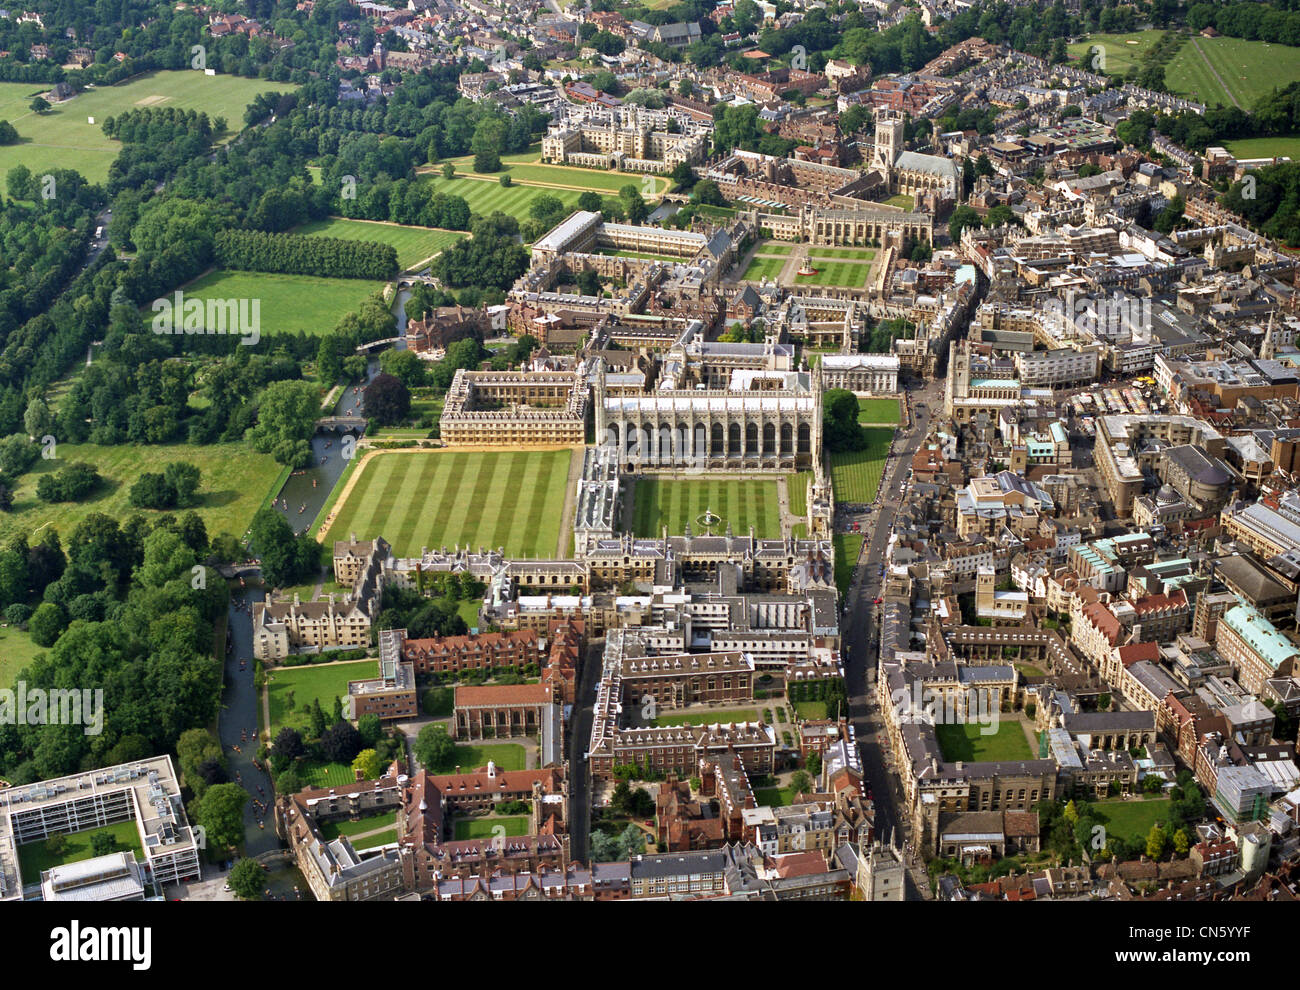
[{"x": 483, "y": 652}]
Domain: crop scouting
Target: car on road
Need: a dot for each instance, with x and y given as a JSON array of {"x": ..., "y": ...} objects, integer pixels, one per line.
[{"x": 877, "y": 601}]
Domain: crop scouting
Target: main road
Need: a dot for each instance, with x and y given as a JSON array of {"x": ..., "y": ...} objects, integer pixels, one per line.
[{"x": 860, "y": 627}]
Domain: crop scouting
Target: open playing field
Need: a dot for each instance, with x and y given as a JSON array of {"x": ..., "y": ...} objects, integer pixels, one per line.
[
  {"x": 291, "y": 690},
  {"x": 1266, "y": 147},
  {"x": 34, "y": 857},
  {"x": 855, "y": 474},
  {"x": 1131, "y": 820},
  {"x": 288, "y": 303},
  {"x": 846, "y": 274},
  {"x": 62, "y": 137},
  {"x": 412, "y": 243},
  {"x": 1231, "y": 71},
  {"x": 234, "y": 480},
  {"x": 965, "y": 741},
  {"x": 512, "y": 499},
  {"x": 488, "y": 197},
  {"x": 763, "y": 268},
  {"x": 527, "y": 167},
  {"x": 1120, "y": 52},
  {"x": 878, "y": 410},
  {"x": 674, "y": 504},
  {"x": 487, "y": 828}
]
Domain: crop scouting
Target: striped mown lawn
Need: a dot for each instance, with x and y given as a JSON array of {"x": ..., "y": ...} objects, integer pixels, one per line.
[
  {"x": 797, "y": 487},
  {"x": 878, "y": 411},
  {"x": 855, "y": 474},
  {"x": 676, "y": 503},
  {"x": 512, "y": 499},
  {"x": 761, "y": 268},
  {"x": 485, "y": 197},
  {"x": 847, "y": 274}
]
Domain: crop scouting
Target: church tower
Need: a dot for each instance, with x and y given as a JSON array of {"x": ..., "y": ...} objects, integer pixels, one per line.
[{"x": 889, "y": 141}]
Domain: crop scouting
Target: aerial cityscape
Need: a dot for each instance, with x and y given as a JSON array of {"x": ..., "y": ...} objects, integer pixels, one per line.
[{"x": 613, "y": 450}]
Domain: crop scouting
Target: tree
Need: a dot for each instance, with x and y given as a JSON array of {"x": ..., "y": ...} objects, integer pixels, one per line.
[
  {"x": 47, "y": 624},
  {"x": 288, "y": 746},
  {"x": 1156, "y": 841},
  {"x": 840, "y": 427},
  {"x": 589, "y": 201},
  {"x": 102, "y": 843},
  {"x": 370, "y": 728},
  {"x": 1181, "y": 842},
  {"x": 39, "y": 105},
  {"x": 286, "y": 420},
  {"x": 56, "y": 845},
  {"x": 434, "y": 748},
  {"x": 246, "y": 878},
  {"x": 387, "y": 400},
  {"x": 449, "y": 171},
  {"x": 183, "y": 477},
  {"x": 151, "y": 491},
  {"x": 814, "y": 764},
  {"x": 801, "y": 782},
  {"x": 962, "y": 217},
  {"x": 221, "y": 813},
  {"x": 370, "y": 765},
  {"x": 340, "y": 743},
  {"x": 329, "y": 363},
  {"x": 505, "y": 181},
  {"x": 38, "y": 420}
]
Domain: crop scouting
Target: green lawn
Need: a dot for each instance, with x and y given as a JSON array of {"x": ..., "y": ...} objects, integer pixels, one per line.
[
  {"x": 383, "y": 838},
  {"x": 323, "y": 774},
  {"x": 709, "y": 717},
  {"x": 33, "y": 858},
  {"x": 778, "y": 249},
  {"x": 412, "y": 243},
  {"x": 855, "y": 474},
  {"x": 965, "y": 742},
  {"x": 843, "y": 254},
  {"x": 506, "y": 756},
  {"x": 332, "y": 830},
  {"x": 774, "y": 797},
  {"x": 234, "y": 480},
  {"x": 797, "y": 487},
  {"x": 1131, "y": 820},
  {"x": 1231, "y": 70},
  {"x": 902, "y": 201},
  {"x": 1266, "y": 147},
  {"x": 287, "y": 303},
  {"x": 844, "y": 274},
  {"x": 469, "y": 612},
  {"x": 487, "y": 197},
  {"x": 527, "y": 168},
  {"x": 63, "y": 138},
  {"x": 16, "y": 652},
  {"x": 488, "y": 828},
  {"x": 1119, "y": 52},
  {"x": 292, "y": 689},
  {"x": 763, "y": 268},
  {"x": 810, "y": 711},
  {"x": 847, "y": 547},
  {"x": 878, "y": 411},
  {"x": 677, "y": 503},
  {"x": 512, "y": 499}
]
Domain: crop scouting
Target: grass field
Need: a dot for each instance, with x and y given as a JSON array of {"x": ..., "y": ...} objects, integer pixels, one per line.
[
  {"x": 293, "y": 689},
  {"x": 412, "y": 243},
  {"x": 62, "y": 137},
  {"x": 1266, "y": 147},
  {"x": 1231, "y": 71},
  {"x": 847, "y": 547},
  {"x": 487, "y": 828},
  {"x": 234, "y": 481},
  {"x": 506, "y": 756},
  {"x": 387, "y": 836},
  {"x": 855, "y": 474},
  {"x": 965, "y": 742},
  {"x": 846, "y": 274},
  {"x": 527, "y": 167},
  {"x": 774, "y": 797},
  {"x": 810, "y": 711},
  {"x": 288, "y": 303},
  {"x": 902, "y": 201},
  {"x": 676, "y": 503},
  {"x": 313, "y": 774},
  {"x": 16, "y": 652},
  {"x": 332, "y": 830},
  {"x": 709, "y": 717},
  {"x": 1121, "y": 52},
  {"x": 763, "y": 268},
  {"x": 878, "y": 411},
  {"x": 779, "y": 249},
  {"x": 488, "y": 197},
  {"x": 510, "y": 499},
  {"x": 796, "y": 487},
  {"x": 1131, "y": 820},
  {"x": 844, "y": 254},
  {"x": 33, "y": 857}
]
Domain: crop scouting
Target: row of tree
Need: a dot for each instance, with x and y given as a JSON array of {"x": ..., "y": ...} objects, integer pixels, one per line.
[{"x": 299, "y": 254}]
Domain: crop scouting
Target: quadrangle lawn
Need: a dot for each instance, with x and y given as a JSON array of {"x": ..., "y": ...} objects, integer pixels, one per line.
[
  {"x": 779, "y": 249},
  {"x": 528, "y": 168},
  {"x": 486, "y": 828},
  {"x": 855, "y": 474},
  {"x": 846, "y": 274},
  {"x": 878, "y": 410},
  {"x": 412, "y": 243},
  {"x": 818, "y": 253},
  {"x": 965, "y": 741},
  {"x": 234, "y": 479},
  {"x": 674, "y": 504},
  {"x": 512, "y": 499},
  {"x": 286, "y": 303},
  {"x": 63, "y": 138},
  {"x": 763, "y": 268},
  {"x": 34, "y": 857},
  {"x": 506, "y": 756},
  {"x": 709, "y": 716},
  {"x": 796, "y": 487},
  {"x": 307, "y": 683}
]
